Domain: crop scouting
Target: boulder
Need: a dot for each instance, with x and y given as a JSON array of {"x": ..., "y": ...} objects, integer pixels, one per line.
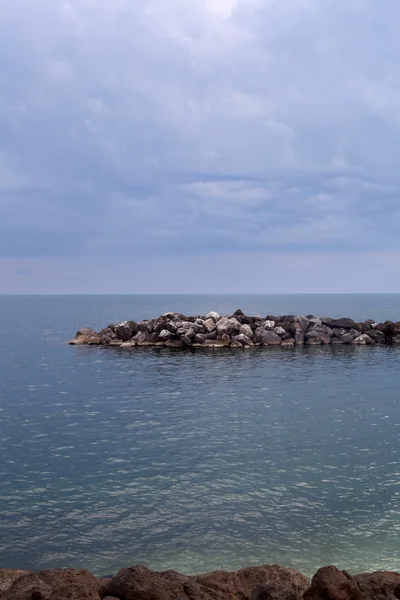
[
  {"x": 140, "y": 583},
  {"x": 199, "y": 338},
  {"x": 243, "y": 339},
  {"x": 269, "y": 325},
  {"x": 124, "y": 332},
  {"x": 280, "y": 331},
  {"x": 331, "y": 584},
  {"x": 165, "y": 335},
  {"x": 271, "y": 338},
  {"x": 55, "y": 584},
  {"x": 289, "y": 342},
  {"x": 299, "y": 337},
  {"x": 377, "y": 336},
  {"x": 378, "y": 585},
  {"x": 341, "y": 323},
  {"x": 302, "y": 323},
  {"x": 8, "y": 576},
  {"x": 235, "y": 344},
  {"x": 86, "y": 337},
  {"x": 210, "y": 325},
  {"x": 213, "y": 315},
  {"x": 228, "y": 326},
  {"x": 363, "y": 340},
  {"x": 246, "y": 330}
]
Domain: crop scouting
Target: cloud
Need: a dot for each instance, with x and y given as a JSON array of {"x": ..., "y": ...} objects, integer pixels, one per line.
[{"x": 207, "y": 126}]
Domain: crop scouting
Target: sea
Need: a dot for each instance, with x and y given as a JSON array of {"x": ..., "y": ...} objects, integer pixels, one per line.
[{"x": 196, "y": 460}]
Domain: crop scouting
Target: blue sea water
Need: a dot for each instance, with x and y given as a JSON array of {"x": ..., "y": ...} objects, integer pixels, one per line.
[{"x": 196, "y": 460}]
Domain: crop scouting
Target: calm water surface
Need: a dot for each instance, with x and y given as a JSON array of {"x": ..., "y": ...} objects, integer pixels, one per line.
[{"x": 201, "y": 460}]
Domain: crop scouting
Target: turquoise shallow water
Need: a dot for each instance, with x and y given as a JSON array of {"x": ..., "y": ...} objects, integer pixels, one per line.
[{"x": 201, "y": 460}]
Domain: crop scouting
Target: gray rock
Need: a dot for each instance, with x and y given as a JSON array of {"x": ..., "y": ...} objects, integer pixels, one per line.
[
  {"x": 228, "y": 326},
  {"x": 269, "y": 325},
  {"x": 199, "y": 338},
  {"x": 271, "y": 338},
  {"x": 280, "y": 331},
  {"x": 243, "y": 339},
  {"x": 212, "y": 335},
  {"x": 210, "y": 325},
  {"x": 303, "y": 322},
  {"x": 236, "y": 344},
  {"x": 165, "y": 335},
  {"x": 288, "y": 342},
  {"x": 299, "y": 337},
  {"x": 213, "y": 315},
  {"x": 246, "y": 329},
  {"x": 341, "y": 323},
  {"x": 363, "y": 340}
]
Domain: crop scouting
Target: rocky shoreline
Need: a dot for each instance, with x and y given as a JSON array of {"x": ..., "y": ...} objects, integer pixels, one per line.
[
  {"x": 269, "y": 582},
  {"x": 175, "y": 330}
]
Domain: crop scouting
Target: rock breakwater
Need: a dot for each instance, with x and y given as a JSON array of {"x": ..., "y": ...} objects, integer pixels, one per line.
[
  {"x": 269, "y": 582},
  {"x": 175, "y": 330}
]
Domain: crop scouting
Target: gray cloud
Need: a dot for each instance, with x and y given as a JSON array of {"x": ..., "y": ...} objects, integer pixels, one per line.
[{"x": 137, "y": 128}]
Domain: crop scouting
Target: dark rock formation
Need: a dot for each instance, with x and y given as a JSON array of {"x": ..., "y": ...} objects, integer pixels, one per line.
[
  {"x": 55, "y": 584},
  {"x": 174, "y": 330},
  {"x": 253, "y": 583}
]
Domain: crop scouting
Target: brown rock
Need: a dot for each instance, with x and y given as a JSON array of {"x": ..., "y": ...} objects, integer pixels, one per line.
[
  {"x": 86, "y": 337},
  {"x": 140, "y": 583},
  {"x": 331, "y": 584},
  {"x": 8, "y": 576},
  {"x": 378, "y": 585},
  {"x": 55, "y": 584}
]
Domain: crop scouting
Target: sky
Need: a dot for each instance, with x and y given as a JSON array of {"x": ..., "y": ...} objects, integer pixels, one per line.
[{"x": 205, "y": 146}]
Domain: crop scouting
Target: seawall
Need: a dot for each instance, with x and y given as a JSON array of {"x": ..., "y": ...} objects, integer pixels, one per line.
[{"x": 175, "y": 330}]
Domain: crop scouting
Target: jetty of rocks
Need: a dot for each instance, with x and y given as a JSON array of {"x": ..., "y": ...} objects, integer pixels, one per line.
[
  {"x": 175, "y": 330},
  {"x": 269, "y": 582}
]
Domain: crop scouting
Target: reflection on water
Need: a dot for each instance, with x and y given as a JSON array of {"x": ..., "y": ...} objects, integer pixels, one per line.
[{"x": 195, "y": 461}]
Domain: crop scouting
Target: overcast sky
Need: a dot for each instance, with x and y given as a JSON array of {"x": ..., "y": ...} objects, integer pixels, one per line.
[{"x": 199, "y": 145}]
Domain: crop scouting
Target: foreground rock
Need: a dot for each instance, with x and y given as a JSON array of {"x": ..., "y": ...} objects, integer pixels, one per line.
[
  {"x": 254, "y": 583},
  {"x": 175, "y": 330}
]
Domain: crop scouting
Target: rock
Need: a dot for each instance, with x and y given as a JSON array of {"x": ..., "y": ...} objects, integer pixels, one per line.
[
  {"x": 303, "y": 323},
  {"x": 377, "y": 336},
  {"x": 8, "y": 576},
  {"x": 299, "y": 337},
  {"x": 171, "y": 327},
  {"x": 280, "y": 331},
  {"x": 396, "y": 339},
  {"x": 341, "y": 323},
  {"x": 212, "y": 335},
  {"x": 319, "y": 329},
  {"x": 246, "y": 330},
  {"x": 210, "y": 325},
  {"x": 165, "y": 335},
  {"x": 271, "y": 338},
  {"x": 228, "y": 326},
  {"x": 331, "y": 584},
  {"x": 86, "y": 337},
  {"x": 55, "y": 584},
  {"x": 213, "y": 315},
  {"x": 235, "y": 344},
  {"x": 363, "y": 340},
  {"x": 124, "y": 332},
  {"x": 378, "y": 585},
  {"x": 243, "y": 339},
  {"x": 288, "y": 342},
  {"x": 269, "y": 325},
  {"x": 238, "y": 313},
  {"x": 140, "y": 583},
  {"x": 186, "y": 340},
  {"x": 199, "y": 338}
]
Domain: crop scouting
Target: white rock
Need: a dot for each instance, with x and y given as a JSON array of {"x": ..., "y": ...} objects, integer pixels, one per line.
[{"x": 213, "y": 315}]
